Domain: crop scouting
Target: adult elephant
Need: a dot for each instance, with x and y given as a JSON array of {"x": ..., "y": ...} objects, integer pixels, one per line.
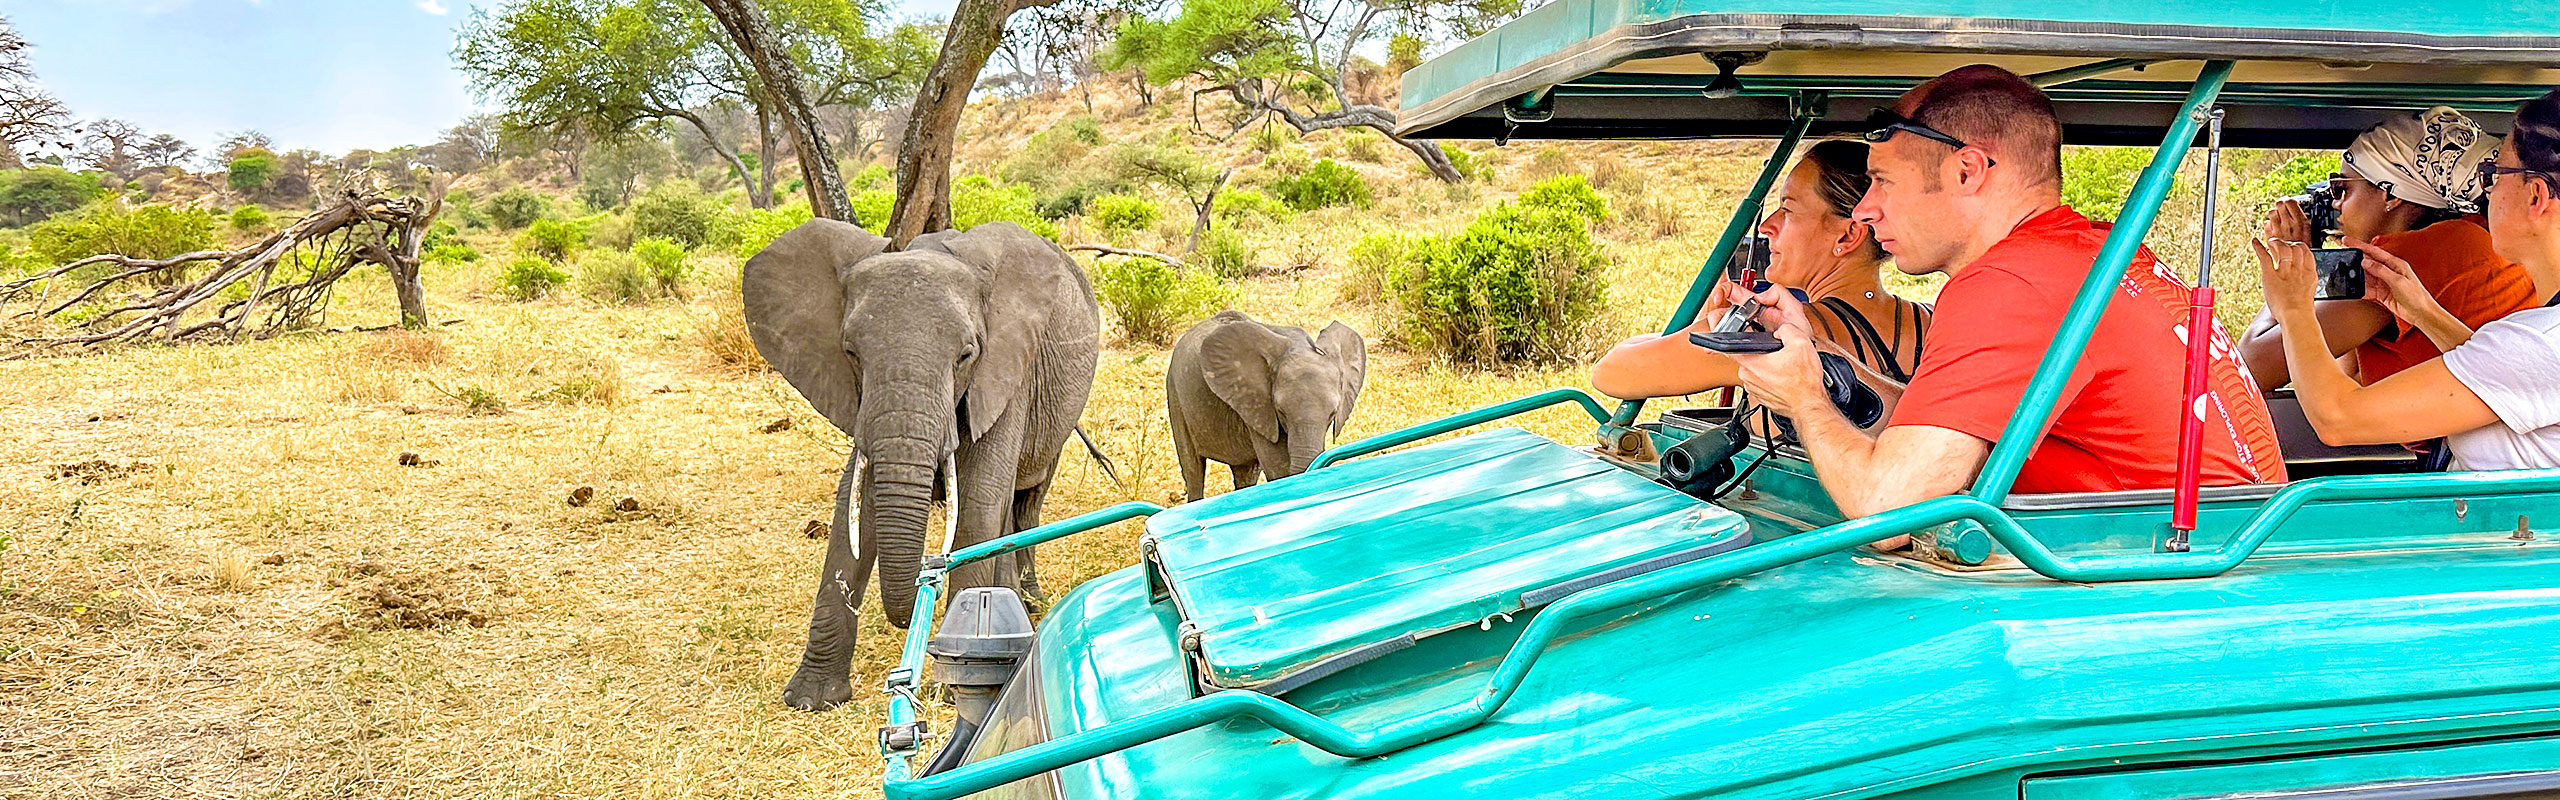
[{"x": 973, "y": 349}]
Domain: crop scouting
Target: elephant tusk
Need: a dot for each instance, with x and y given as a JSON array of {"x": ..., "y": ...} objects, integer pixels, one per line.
[{"x": 951, "y": 499}]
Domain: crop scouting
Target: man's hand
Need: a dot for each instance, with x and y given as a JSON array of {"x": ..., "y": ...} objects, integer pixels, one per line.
[{"x": 1788, "y": 381}]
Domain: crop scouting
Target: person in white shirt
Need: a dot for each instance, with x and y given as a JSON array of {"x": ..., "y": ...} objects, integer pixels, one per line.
[{"x": 2495, "y": 393}]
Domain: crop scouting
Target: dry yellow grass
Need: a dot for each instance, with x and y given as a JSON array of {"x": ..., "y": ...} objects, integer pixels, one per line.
[{"x": 242, "y": 591}]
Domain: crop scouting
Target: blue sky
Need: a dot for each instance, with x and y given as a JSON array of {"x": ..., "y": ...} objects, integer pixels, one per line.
[{"x": 331, "y": 75}]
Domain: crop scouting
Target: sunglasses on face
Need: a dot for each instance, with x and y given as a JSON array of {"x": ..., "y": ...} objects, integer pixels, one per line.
[
  {"x": 1883, "y": 123},
  {"x": 2489, "y": 172}
]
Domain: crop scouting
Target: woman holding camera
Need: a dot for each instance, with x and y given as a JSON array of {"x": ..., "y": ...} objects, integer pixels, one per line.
[
  {"x": 1814, "y": 247},
  {"x": 2405, "y": 194},
  {"x": 2495, "y": 394}
]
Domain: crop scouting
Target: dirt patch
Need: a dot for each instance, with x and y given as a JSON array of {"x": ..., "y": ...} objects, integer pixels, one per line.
[
  {"x": 386, "y": 598},
  {"x": 97, "y": 471}
]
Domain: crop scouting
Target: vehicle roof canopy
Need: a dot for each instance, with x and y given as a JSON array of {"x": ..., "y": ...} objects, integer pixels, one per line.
[{"x": 2310, "y": 74}]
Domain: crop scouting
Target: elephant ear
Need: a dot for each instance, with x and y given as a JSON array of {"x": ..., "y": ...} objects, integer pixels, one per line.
[
  {"x": 793, "y": 291},
  {"x": 1347, "y": 349},
  {"x": 1025, "y": 277},
  {"x": 1238, "y": 358}
]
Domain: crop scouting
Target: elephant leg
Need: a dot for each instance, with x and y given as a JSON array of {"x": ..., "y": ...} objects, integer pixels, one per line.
[
  {"x": 1195, "y": 470},
  {"x": 824, "y": 679},
  {"x": 1246, "y": 474},
  {"x": 1026, "y": 516},
  {"x": 988, "y": 473}
]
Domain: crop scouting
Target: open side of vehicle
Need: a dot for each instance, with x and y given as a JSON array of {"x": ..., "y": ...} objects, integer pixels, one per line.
[{"x": 1504, "y": 616}]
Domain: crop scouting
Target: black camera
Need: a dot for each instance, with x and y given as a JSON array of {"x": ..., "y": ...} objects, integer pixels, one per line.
[{"x": 2319, "y": 201}]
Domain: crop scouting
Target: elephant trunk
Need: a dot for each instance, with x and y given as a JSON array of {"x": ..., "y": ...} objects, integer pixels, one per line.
[
  {"x": 900, "y": 501},
  {"x": 1305, "y": 441}
]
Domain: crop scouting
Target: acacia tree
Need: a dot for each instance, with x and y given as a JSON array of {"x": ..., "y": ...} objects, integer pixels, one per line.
[
  {"x": 112, "y": 146},
  {"x": 1293, "y": 59},
  {"x": 603, "y": 67},
  {"x": 164, "y": 151},
  {"x": 29, "y": 116}
]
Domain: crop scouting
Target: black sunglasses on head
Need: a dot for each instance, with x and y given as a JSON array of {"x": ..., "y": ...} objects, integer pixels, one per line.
[{"x": 1882, "y": 123}]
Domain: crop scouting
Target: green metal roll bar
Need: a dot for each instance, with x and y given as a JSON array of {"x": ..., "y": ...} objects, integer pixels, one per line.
[{"x": 901, "y": 741}]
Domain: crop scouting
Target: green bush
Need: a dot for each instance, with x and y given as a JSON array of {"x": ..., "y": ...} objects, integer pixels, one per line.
[
  {"x": 1225, "y": 253},
  {"x": 676, "y": 210},
  {"x": 529, "y": 277},
  {"x": 1570, "y": 194},
  {"x": 1522, "y": 282},
  {"x": 29, "y": 196},
  {"x": 437, "y": 235},
  {"x": 1243, "y": 204},
  {"x": 2095, "y": 180},
  {"x": 1473, "y": 167},
  {"x": 1362, "y": 144},
  {"x": 871, "y": 209},
  {"x": 667, "y": 263},
  {"x": 516, "y": 208},
  {"x": 1153, "y": 299},
  {"x": 1083, "y": 128},
  {"x": 977, "y": 200},
  {"x": 608, "y": 230},
  {"x": 755, "y": 229},
  {"x": 871, "y": 176},
  {"x": 1373, "y": 258},
  {"x": 152, "y": 231},
  {"x": 249, "y": 218},
  {"x": 451, "y": 253},
  {"x": 1326, "y": 184},
  {"x": 250, "y": 170},
  {"x": 1270, "y": 138},
  {"x": 2289, "y": 178},
  {"x": 1121, "y": 214},
  {"x": 614, "y": 276},
  {"x": 458, "y": 207},
  {"x": 553, "y": 239}
]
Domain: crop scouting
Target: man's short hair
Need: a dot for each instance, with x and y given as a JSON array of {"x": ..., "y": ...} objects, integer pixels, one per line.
[{"x": 1994, "y": 109}]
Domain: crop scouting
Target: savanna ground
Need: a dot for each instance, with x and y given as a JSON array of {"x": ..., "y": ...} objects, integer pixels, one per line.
[{"x": 219, "y": 579}]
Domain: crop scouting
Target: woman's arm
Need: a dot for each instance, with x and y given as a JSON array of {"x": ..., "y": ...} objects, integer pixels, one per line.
[
  {"x": 1654, "y": 365},
  {"x": 2344, "y": 324},
  {"x": 2422, "y": 402}
]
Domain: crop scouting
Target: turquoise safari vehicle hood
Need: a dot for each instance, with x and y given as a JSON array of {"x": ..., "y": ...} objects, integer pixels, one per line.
[{"x": 1849, "y": 675}]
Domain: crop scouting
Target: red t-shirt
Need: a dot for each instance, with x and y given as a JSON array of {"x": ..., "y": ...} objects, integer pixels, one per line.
[{"x": 2116, "y": 424}]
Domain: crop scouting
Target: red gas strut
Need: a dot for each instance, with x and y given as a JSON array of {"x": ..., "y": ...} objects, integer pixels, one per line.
[{"x": 2200, "y": 328}]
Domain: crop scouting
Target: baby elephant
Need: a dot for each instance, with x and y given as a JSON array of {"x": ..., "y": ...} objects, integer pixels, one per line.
[{"x": 1262, "y": 399}]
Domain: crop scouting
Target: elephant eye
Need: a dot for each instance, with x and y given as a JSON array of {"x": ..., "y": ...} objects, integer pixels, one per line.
[{"x": 968, "y": 353}]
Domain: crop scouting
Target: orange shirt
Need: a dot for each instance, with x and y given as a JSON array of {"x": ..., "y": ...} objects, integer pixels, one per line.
[
  {"x": 2453, "y": 258},
  {"x": 2116, "y": 424}
]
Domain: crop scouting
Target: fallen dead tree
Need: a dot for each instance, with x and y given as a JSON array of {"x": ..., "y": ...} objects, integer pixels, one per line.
[{"x": 288, "y": 276}]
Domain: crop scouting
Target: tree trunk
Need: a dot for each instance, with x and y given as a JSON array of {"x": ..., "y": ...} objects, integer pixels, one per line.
[
  {"x": 736, "y": 164},
  {"x": 1208, "y": 204},
  {"x": 745, "y": 22},
  {"x": 761, "y": 196},
  {"x": 933, "y": 122},
  {"x": 405, "y": 263}
]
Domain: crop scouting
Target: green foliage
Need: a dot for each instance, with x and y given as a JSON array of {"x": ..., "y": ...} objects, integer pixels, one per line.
[
  {"x": 2290, "y": 178},
  {"x": 871, "y": 208},
  {"x": 614, "y": 276},
  {"x": 1522, "y": 282},
  {"x": 755, "y": 229},
  {"x": 1226, "y": 253},
  {"x": 609, "y": 229},
  {"x": 152, "y": 231},
  {"x": 1235, "y": 205},
  {"x": 1362, "y": 144},
  {"x": 977, "y": 200},
  {"x": 249, "y": 218},
  {"x": 1270, "y": 138},
  {"x": 529, "y": 277},
  {"x": 518, "y": 207},
  {"x": 458, "y": 207},
  {"x": 1083, "y": 128},
  {"x": 676, "y": 210},
  {"x": 1473, "y": 167},
  {"x": 1153, "y": 299},
  {"x": 666, "y": 263},
  {"x": 2095, "y": 180},
  {"x": 451, "y": 253},
  {"x": 871, "y": 176},
  {"x": 250, "y": 169},
  {"x": 1122, "y": 214},
  {"x": 1072, "y": 198},
  {"x": 1326, "y": 184},
  {"x": 553, "y": 239},
  {"x": 1373, "y": 258},
  {"x": 438, "y": 234},
  {"x": 29, "y": 196},
  {"x": 1570, "y": 194}
]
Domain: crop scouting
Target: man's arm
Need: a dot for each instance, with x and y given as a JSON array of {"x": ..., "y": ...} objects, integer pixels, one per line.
[{"x": 1902, "y": 466}]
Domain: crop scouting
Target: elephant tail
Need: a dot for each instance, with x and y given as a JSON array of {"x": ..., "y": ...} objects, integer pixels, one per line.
[{"x": 1108, "y": 470}]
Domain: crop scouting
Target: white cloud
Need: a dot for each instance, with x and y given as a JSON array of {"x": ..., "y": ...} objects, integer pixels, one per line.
[{"x": 433, "y": 7}]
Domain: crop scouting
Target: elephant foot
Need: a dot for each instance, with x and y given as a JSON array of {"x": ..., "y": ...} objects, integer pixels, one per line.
[{"x": 810, "y": 690}]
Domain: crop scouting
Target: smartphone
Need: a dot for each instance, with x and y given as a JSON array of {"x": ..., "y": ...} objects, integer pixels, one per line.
[
  {"x": 1750, "y": 260},
  {"x": 2341, "y": 271}
]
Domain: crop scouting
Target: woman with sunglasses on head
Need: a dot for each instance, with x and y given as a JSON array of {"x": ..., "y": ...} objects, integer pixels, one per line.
[
  {"x": 1815, "y": 248},
  {"x": 2407, "y": 194},
  {"x": 2495, "y": 393}
]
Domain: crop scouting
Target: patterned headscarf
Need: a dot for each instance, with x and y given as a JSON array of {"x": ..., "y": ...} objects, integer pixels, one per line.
[{"x": 2430, "y": 159}]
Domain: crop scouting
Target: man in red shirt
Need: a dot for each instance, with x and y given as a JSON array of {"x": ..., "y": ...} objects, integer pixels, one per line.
[{"x": 1968, "y": 178}]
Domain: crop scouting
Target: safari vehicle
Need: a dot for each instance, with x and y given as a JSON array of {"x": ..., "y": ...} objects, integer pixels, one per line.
[{"x": 1501, "y": 615}]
